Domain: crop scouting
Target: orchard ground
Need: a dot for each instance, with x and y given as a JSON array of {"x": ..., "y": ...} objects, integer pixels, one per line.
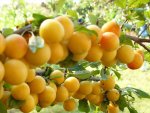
[{"x": 138, "y": 79}]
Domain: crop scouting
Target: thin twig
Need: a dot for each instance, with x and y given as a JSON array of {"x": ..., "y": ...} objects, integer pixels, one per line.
[{"x": 124, "y": 23}]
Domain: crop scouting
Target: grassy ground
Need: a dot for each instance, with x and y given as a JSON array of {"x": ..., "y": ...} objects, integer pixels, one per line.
[{"x": 136, "y": 79}]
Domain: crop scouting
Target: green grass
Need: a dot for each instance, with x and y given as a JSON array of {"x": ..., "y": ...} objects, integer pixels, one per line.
[{"x": 137, "y": 79}]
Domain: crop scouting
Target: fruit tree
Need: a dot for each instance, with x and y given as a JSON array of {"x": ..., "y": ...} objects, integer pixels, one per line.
[{"x": 72, "y": 54}]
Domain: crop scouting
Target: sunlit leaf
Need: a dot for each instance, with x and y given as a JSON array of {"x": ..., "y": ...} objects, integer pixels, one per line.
[
  {"x": 81, "y": 28},
  {"x": 60, "y": 4},
  {"x": 121, "y": 3},
  {"x": 93, "y": 18},
  {"x": 7, "y": 31},
  {"x": 138, "y": 92},
  {"x": 81, "y": 74},
  {"x": 125, "y": 40},
  {"x": 72, "y": 13}
]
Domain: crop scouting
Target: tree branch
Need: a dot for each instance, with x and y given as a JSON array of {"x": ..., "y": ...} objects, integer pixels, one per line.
[{"x": 140, "y": 41}]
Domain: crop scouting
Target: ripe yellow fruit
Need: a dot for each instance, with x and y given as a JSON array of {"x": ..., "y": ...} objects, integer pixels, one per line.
[
  {"x": 2, "y": 71},
  {"x": 112, "y": 108},
  {"x": 94, "y": 99},
  {"x": 78, "y": 95},
  {"x": 95, "y": 39},
  {"x": 1, "y": 92},
  {"x": 67, "y": 25},
  {"x": 95, "y": 53},
  {"x": 48, "y": 95},
  {"x": 53, "y": 85},
  {"x": 72, "y": 84},
  {"x": 31, "y": 75},
  {"x": 2, "y": 43},
  {"x": 28, "y": 105},
  {"x": 78, "y": 57},
  {"x": 111, "y": 26},
  {"x": 21, "y": 91},
  {"x": 125, "y": 54},
  {"x": 69, "y": 105},
  {"x": 137, "y": 61},
  {"x": 35, "y": 97},
  {"x": 57, "y": 76},
  {"x": 65, "y": 52},
  {"x": 61, "y": 94},
  {"x": 44, "y": 104},
  {"x": 5, "y": 97},
  {"x": 109, "y": 63},
  {"x": 113, "y": 95},
  {"x": 79, "y": 43},
  {"x": 109, "y": 55},
  {"x": 57, "y": 53},
  {"x": 96, "y": 88},
  {"x": 37, "y": 85},
  {"x": 16, "y": 72},
  {"x": 109, "y": 41},
  {"x": 140, "y": 52},
  {"x": 51, "y": 30},
  {"x": 101, "y": 98},
  {"x": 71, "y": 94},
  {"x": 41, "y": 56},
  {"x": 85, "y": 87},
  {"x": 16, "y": 46},
  {"x": 108, "y": 84}
]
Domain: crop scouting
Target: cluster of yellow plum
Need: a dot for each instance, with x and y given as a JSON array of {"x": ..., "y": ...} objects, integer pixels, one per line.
[
  {"x": 18, "y": 64},
  {"x": 105, "y": 47}
]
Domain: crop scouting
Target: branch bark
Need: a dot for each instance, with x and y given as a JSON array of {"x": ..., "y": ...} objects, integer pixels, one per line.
[{"x": 140, "y": 41}]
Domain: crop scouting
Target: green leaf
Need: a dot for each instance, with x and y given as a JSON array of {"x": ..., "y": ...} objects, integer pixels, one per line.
[
  {"x": 103, "y": 106},
  {"x": 138, "y": 92},
  {"x": 121, "y": 3},
  {"x": 124, "y": 40},
  {"x": 81, "y": 28},
  {"x": 132, "y": 109},
  {"x": 7, "y": 86},
  {"x": 38, "y": 19},
  {"x": 13, "y": 103},
  {"x": 47, "y": 71},
  {"x": 95, "y": 72},
  {"x": 94, "y": 64},
  {"x": 122, "y": 103},
  {"x": 35, "y": 42},
  {"x": 147, "y": 13},
  {"x": 92, "y": 107},
  {"x": 73, "y": 14},
  {"x": 83, "y": 106},
  {"x": 81, "y": 74},
  {"x": 38, "y": 108},
  {"x": 93, "y": 18},
  {"x": 147, "y": 56},
  {"x": 117, "y": 73},
  {"x": 3, "y": 108},
  {"x": 7, "y": 31},
  {"x": 135, "y": 3},
  {"x": 60, "y": 4},
  {"x": 104, "y": 74}
]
